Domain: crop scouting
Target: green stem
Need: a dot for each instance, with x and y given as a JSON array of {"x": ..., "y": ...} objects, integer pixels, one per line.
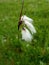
[{"x": 18, "y": 36}]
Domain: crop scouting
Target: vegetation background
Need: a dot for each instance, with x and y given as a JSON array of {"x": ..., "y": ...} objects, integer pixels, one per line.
[{"x": 24, "y": 53}]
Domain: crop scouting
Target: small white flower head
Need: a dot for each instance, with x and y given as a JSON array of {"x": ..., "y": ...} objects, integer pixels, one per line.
[{"x": 26, "y": 35}]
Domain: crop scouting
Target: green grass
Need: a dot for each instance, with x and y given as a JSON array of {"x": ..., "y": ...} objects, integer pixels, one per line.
[{"x": 34, "y": 53}]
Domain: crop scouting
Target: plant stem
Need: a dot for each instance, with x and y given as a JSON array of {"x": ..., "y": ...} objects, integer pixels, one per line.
[{"x": 20, "y": 19}]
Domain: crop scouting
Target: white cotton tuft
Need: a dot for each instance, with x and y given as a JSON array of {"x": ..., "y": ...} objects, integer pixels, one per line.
[
  {"x": 26, "y": 35},
  {"x": 30, "y": 27},
  {"x": 25, "y": 18}
]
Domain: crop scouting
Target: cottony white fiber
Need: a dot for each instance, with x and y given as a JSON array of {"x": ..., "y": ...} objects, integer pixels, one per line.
[
  {"x": 25, "y": 18},
  {"x": 30, "y": 26},
  {"x": 26, "y": 35}
]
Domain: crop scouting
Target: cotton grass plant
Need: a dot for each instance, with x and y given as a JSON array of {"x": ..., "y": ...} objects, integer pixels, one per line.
[{"x": 26, "y": 27}]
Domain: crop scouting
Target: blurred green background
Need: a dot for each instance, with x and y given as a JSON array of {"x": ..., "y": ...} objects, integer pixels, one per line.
[{"x": 24, "y": 53}]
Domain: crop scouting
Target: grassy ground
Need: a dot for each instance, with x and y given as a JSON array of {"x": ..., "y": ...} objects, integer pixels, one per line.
[{"x": 23, "y": 53}]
